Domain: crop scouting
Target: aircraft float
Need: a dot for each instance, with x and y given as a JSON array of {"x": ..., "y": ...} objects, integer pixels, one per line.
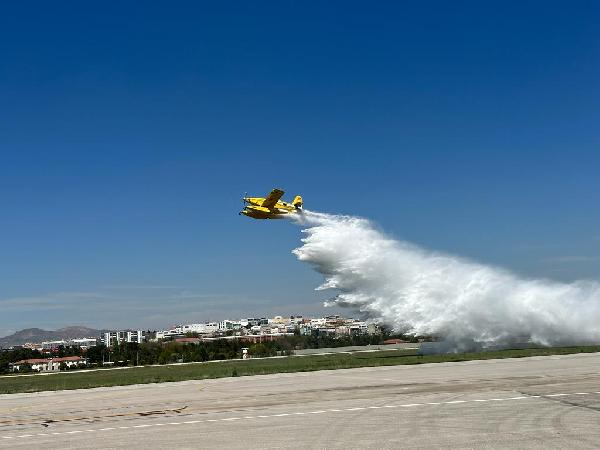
[{"x": 271, "y": 206}]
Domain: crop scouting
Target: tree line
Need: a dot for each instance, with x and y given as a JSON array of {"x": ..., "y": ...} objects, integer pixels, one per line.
[{"x": 165, "y": 352}]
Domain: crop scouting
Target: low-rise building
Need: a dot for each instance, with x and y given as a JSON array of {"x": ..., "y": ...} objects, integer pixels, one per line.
[
  {"x": 54, "y": 345},
  {"x": 83, "y": 342},
  {"x": 49, "y": 364},
  {"x": 200, "y": 328}
]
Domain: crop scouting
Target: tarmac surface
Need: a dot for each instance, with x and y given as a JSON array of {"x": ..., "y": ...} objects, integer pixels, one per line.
[{"x": 538, "y": 402}]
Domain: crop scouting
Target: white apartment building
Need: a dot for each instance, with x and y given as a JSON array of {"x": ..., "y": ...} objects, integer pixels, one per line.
[
  {"x": 83, "y": 342},
  {"x": 123, "y": 336},
  {"x": 200, "y": 328},
  {"x": 318, "y": 322},
  {"x": 225, "y": 325}
]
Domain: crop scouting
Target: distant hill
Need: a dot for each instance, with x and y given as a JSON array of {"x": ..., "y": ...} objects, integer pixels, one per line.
[{"x": 39, "y": 335}]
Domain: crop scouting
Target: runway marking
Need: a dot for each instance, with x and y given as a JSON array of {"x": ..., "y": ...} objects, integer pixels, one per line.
[{"x": 302, "y": 413}]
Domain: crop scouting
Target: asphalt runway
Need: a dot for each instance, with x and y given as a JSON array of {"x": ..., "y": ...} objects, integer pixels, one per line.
[{"x": 539, "y": 402}]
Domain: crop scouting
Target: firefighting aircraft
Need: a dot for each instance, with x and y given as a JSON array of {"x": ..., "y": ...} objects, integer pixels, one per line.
[{"x": 270, "y": 207}]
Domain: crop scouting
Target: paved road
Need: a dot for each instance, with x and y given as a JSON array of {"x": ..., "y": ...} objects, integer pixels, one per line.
[
  {"x": 357, "y": 348},
  {"x": 539, "y": 402}
]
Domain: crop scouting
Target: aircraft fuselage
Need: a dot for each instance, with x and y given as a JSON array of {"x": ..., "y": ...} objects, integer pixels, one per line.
[{"x": 270, "y": 207}]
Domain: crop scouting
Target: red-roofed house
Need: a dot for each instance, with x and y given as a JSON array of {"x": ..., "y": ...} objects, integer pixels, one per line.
[{"x": 49, "y": 364}]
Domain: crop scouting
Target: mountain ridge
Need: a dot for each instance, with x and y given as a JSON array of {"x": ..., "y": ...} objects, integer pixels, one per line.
[{"x": 37, "y": 335}]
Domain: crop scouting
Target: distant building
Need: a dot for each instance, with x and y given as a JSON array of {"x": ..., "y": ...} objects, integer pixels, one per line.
[
  {"x": 53, "y": 345},
  {"x": 33, "y": 346},
  {"x": 226, "y": 325},
  {"x": 83, "y": 342},
  {"x": 113, "y": 337},
  {"x": 166, "y": 334},
  {"x": 49, "y": 364},
  {"x": 200, "y": 328},
  {"x": 136, "y": 336}
]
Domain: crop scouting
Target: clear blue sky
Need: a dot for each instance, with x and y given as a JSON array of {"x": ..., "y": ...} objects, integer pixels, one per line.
[{"x": 129, "y": 132}]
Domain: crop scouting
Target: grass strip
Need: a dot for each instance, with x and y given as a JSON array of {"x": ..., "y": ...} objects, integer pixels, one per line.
[{"x": 160, "y": 374}]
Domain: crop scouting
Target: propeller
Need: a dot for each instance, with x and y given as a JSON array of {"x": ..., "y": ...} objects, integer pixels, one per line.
[{"x": 244, "y": 201}]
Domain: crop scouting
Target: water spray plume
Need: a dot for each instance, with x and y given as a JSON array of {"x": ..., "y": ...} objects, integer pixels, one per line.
[{"x": 422, "y": 293}]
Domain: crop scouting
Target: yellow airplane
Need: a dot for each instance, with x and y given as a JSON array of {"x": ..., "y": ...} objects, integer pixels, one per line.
[{"x": 270, "y": 207}]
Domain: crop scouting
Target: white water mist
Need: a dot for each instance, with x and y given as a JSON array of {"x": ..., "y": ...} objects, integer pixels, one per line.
[{"x": 419, "y": 292}]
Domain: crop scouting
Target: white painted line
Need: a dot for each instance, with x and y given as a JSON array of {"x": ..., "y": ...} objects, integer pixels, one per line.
[{"x": 300, "y": 413}]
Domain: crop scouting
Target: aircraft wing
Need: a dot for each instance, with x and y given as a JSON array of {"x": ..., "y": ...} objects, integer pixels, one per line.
[{"x": 272, "y": 198}]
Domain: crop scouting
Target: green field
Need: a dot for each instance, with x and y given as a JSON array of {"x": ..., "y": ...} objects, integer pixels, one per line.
[{"x": 158, "y": 374}]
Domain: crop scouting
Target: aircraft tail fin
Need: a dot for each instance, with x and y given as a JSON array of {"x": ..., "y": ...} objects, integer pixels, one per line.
[{"x": 297, "y": 202}]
